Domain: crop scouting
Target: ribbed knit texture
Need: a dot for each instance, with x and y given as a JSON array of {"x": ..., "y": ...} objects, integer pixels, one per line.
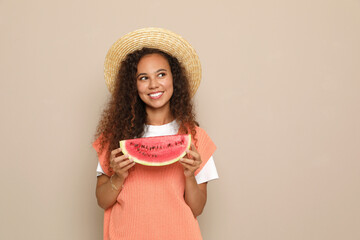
[{"x": 151, "y": 205}]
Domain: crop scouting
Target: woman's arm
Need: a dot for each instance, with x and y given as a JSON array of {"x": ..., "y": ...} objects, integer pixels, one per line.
[
  {"x": 106, "y": 194},
  {"x": 195, "y": 194},
  {"x": 108, "y": 188}
]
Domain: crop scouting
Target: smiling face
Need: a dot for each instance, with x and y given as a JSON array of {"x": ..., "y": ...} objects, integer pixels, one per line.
[{"x": 155, "y": 82}]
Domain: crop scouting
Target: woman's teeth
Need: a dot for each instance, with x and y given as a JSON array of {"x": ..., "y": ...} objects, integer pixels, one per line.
[{"x": 154, "y": 95}]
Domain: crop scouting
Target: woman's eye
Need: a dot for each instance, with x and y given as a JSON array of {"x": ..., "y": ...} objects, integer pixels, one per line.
[
  {"x": 162, "y": 74},
  {"x": 143, "y": 78}
]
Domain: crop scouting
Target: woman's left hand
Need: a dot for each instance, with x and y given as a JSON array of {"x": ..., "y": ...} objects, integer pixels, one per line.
[{"x": 192, "y": 163}]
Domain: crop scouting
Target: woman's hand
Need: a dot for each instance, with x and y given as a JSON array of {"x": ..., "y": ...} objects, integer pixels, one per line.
[
  {"x": 120, "y": 163},
  {"x": 192, "y": 163}
]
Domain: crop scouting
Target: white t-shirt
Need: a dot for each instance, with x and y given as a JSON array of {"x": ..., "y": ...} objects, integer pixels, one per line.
[{"x": 206, "y": 174}]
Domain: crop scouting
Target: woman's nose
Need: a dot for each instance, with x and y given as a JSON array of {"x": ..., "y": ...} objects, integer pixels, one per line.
[{"x": 153, "y": 83}]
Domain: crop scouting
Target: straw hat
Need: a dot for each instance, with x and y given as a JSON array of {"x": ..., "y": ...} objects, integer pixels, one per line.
[{"x": 159, "y": 38}]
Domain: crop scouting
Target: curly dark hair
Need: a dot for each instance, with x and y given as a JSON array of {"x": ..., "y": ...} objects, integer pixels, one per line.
[{"x": 124, "y": 116}]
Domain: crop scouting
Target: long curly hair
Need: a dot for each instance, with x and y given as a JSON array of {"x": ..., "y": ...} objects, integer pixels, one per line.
[{"x": 124, "y": 117}]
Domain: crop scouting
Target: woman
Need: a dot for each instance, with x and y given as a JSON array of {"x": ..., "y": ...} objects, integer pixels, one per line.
[{"x": 151, "y": 96}]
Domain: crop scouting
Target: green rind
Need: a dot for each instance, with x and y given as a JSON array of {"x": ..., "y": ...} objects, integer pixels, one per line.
[
  {"x": 122, "y": 146},
  {"x": 123, "y": 149}
]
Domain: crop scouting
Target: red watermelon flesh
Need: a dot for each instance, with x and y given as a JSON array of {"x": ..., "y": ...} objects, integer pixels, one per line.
[{"x": 156, "y": 151}]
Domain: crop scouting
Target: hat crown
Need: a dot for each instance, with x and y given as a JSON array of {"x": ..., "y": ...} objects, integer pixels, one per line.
[{"x": 158, "y": 38}]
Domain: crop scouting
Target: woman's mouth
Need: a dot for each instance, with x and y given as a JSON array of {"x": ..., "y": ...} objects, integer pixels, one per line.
[{"x": 156, "y": 95}]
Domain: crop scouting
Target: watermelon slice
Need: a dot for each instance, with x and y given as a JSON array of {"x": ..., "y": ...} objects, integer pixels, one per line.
[{"x": 156, "y": 151}]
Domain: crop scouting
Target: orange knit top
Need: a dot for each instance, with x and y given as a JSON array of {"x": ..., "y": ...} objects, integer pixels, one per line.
[{"x": 151, "y": 204}]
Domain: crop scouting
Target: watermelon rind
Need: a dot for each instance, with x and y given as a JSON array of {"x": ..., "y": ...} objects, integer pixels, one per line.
[{"x": 146, "y": 163}]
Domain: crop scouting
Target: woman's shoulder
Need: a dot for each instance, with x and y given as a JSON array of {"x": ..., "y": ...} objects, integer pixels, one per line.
[
  {"x": 202, "y": 138},
  {"x": 200, "y": 131}
]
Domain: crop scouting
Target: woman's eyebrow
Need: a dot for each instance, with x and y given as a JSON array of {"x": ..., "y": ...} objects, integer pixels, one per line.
[
  {"x": 160, "y": 70},
  {"x": 140, "y": 74}
]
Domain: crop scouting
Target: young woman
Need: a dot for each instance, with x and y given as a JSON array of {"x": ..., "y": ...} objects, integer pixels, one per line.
[{"x": 152, "y": 74}]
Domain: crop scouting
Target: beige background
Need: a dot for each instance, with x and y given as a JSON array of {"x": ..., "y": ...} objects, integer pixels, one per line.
[{"x": 279, "y": 96}]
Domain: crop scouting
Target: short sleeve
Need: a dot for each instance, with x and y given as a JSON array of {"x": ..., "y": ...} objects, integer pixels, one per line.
[
  {"x": 99, "y": 170},
  {"x": 205, "y": 147},
  {"x": 208, "y": 172},
  {"x": 103, "y": 157}
]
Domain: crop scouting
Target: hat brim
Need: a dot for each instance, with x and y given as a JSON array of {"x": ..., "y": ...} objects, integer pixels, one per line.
[{"x": 159, "y": 38}]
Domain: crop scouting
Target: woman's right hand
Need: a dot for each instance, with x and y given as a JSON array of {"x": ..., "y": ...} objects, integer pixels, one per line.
[{"x": 120, "y": 163}]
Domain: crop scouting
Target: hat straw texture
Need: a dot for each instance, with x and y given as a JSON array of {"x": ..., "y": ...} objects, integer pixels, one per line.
[{"x": 161, "y": 39}]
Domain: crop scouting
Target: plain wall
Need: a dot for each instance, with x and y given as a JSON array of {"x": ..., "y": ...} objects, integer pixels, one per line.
[{"x": 279, "y": 97}]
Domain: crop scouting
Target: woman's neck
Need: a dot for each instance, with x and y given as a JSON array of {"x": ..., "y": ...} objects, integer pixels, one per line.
[{"x": 155, "y": 117}]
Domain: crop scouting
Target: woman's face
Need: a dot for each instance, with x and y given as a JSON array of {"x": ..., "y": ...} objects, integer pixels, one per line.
[{"x": 154, "y": 81}]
